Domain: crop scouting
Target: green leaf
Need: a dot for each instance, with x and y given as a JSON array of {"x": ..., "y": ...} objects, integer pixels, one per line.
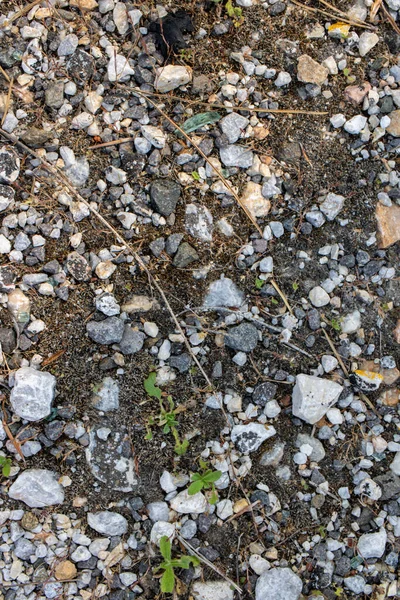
[
  {"x": 203, "y": 464},
  {"x": 259, "y": 283},
  {"x": 212, "y": 476},
  {"x": 2, "y": 460},
  {"x": 196, "y": 477},
  {"x": 168, "y": 581},
  {"x": 150, "y": 387},
  {"x": 7, "y": 468},
  {"x": 186, "y": 561},
  {"x": 214, "y": 497},
  {"x": 165, "y": 547},
  {"x": 195, "y": 175},
  {"x": 200, "y": 120},
  {"x": 195, "y": 487}
]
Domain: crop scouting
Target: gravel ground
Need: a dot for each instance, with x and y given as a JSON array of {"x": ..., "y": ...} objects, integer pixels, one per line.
[{"x": 199, "y": 299}]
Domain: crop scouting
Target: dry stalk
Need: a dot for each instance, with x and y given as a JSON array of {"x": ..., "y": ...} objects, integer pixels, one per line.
[
  {"x": 333, "y": 16},
  {"x": 8, "y": 101},
  {"x": 23, "y": 11}
]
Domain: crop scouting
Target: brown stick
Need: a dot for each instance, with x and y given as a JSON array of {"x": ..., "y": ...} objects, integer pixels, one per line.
[{"x": 112, "y": 143}]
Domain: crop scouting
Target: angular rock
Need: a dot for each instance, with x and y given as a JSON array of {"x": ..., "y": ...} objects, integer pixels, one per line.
[
  {"x": 318, "y": 452},
  {"x": 310, "y": 71},
  {"x": 355, "y": 124},
  {"x": 54, "y": 96},
  {"x": 394, "y": 127},
  {"x": 109, "y": 331},
  {"x": 185, "y": 255},
  {"x": 331, "y": 206},
  {"x": 248, "y": 438},
  {"x": 33, "y": 393},
  {"x": 106, "y": 396},
  {"x": 233, "y": 125},
  {"x": 185, "y": 504},
  {"x": 108, "y": 523},
  {"x": 356, "y": 93},
  {"x": 107, "y": 304},
  {"x": 37, "y": 488},
  {"x": 242, "y": 338},
  {"x": 351, "y": 323},
  {"x": 366, "y": 42},
  {"x": 372, "y": 545},
  {"x": 254, "y": 201},
  {"x": 132, "y": 340},
  {"x": 164, "y": 194},
  {"x": 388, "y": 221},
  {"x": 212, "y": 590},
  {"x": 7, "y": 195},
  {"x": 312, "y": 397},
  {"x": 171, "y": 77},
  {"x": 264, "y": 393},
  {"x": 278, "y": 584},
  {"x": 199, "y": 222},
  {"x": 118, "y": 68},
  {"x": 223, "y": 293},
  {"x": 236, "y": 156},
  {"x": 9, "y": 165}
]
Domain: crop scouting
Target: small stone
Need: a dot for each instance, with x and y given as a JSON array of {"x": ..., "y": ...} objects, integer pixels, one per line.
[
  {"x": 310, "y": 71},
  {"x": 394, "y": 127},
  {"x": 388, "y": 221},
  {"x": 242, "y": 338},
  {"x": 212, "y": 590},
  {"x": 318, "y": 451},
  {"x": 355, "y": 124},
  {"x": 236, "y": 156},
  {"x": 109, "y": 331},
  {"x": 277, "y": 584},
  {"x": 366, "y": 381},
  {"x": 252, "y": 198},
  {"x": 81, "y": 554},
  {"x": 395, "y": 464},
  {"x": 319, "y": 297},
  {"x": 154, "y": 135},
  {"x": 78, "y": 266},
  {"x": 158, "y": 511},
  {"x": 372, "y": 545},
  {"x": 164, "y": 195},
  {"x": 132, "y": 340},
  {"x": 120, "y": 17},
  {"x": 107, "y": 304},
  {"x": 223, "y": 293},
  {"x": 19, "y": 306},
  {"x": 284, "y": 78},
  {"x": 106, "y": 396},
  {"x": 233, "y": 126},
  {"x": 356, "y": 93},
  {"x": 248, "y": 438},
  {"x": 313, "y": 396},
  {"x": 6, "y": 196},
  {"x": 366, "y": 42},
  {"x": 185, "y": 255},
  {"x": 104, "y": 270},
  {"x": 118, "y": 68},
  {"x": 33, "y": 393},
  {"x": 355, "y": 584},
  {"x": 224, "y": 509},
  {"x": 68, "y": 45},
  {"x": 185, "y": 504},
  {"x": 351, "y": 323},
  {"x": 199, "y": 222},
  {"x": 108, "y": 523},
  {"x": 65, "y": 570},
  {"x": 332, "y": 205},
  {"x": 37, "y": 488},
  {"x": 139, "y": 304},
  {"x": 9, "y": 165},
  {"x": 5, "y": 244},
  {"x": 264, "y": 393},
  {"x": 160, "y": 529},
  {"x": 171, "y": 77},
  {"x": 54, "y": 96}
]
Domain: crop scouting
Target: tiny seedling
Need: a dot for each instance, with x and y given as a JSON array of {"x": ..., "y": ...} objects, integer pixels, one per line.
[
  {"x": 5, "y": 465},
  {"x": 205, "y": 480},
  {"x": 259, "y": 283},
  {"x": 195, "y": 176},
  {"x": 295, "y": 286},
  {"x": 169, "y": 565},
  {"x": 335, "y": 325},
  {"x": 235, "y": 13}
]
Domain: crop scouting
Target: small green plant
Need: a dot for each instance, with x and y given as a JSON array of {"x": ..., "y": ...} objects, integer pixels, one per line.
[
  {"x": 335, "y": 325},
  {"x": 274, "y": 301},
  {"x": 169, "y": 564},
  {"x": 195, "y": 176},
  {"x": 167, "y": 416},
  {"x": 5, "y": 464},
  {"x": 295, "y": 286},
  {"x": 259, "y": 283},
  {"x": 235, "y": 13},
  {"x": 204, "y": 480}
]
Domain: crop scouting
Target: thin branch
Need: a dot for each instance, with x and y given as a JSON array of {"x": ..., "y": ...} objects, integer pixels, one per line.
[{"x": 112, "y": 143}]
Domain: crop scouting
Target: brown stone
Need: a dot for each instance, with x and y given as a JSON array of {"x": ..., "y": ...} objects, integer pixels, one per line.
[
  {"x": 396, "y": 332},
  {"x": 394, "y": 127},
  {"x": 390, "y": 397},
  {"x": 356, "y": 93},
  {"x": 254, "y": 201},
  {"x": 310, "y": 71},
  {"x": 388, "y": 218},
  {"x": 29, "y": 521},
  {"x": 65, "y": 570},
  {"x": 84, "y": 4}
]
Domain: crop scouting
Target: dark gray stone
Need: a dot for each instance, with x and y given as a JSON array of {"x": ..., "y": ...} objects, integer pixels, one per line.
[
  {"x": 264, "y": 393},
  {"x": 132, "y": 340},
  {"x": 164, "y": 195},
  {"x": 80, "y": 66},
  {"x": 242, "y": 338},
  {"x": 109, "y": 331},
  {"x": 185, "y": 256}
]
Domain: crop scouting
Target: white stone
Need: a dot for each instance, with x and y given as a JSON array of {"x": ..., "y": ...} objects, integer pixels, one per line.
[
  {"x": 154, "y": 135},
  {"x": 355, "y": 124},
  {"x": 171, "y": 77},
  {"x": 105, "y": 269},
  {"x": 212, "y": 590},
  {"x": 329, "y": 363},
  {"x": 334, "y": 416},
  {"x": 225, "y": 509},
  {"x": 160, "y": 529},
  {"x": 278, "y": 584},
  {"x": 395, "y": 464},
  {"x": 33, "y": 393},
  {"x": 185, "y": 504},
  {"x": 366, "y": 42},
  {"x": 150, "y": 329},
  {"x": 108, "y": 523},
  {"x": 318, "y": 297},
  {"x": 351, "y": 322},
  {"x": 372, "y": 545},
  {"x": 118, "y": 68},
  {"x": 5, "y": 244},
  {"x": 283, "y": 79},
  {"x": 267, "y": 265},
  {"x": 93, "y": 102},
  {"x": 312, "y": 397},
  {"x": 259, "y": 564},
  {"x": 338, "y": 120},
  {"x": 248, "y": 438},
  {"x": 332, "y": 205},
  {"x": 233, "y": 125},
  {"x": 37, "y": 488},
  {"x": 81, "y": 553},
  {"x": 223, "y": 293},
  {"x": 121, "y": 18}
]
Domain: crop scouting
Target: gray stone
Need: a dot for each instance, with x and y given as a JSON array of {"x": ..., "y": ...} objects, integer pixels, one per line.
[
  {"x": 199, "y": 222},
  {"x": 248, "y": 438},
  {"x": 24, "y": 548},
  {"x": 236, "y": 156},
  {"x": 212, "y": 590},
  {"x": 164, "y": 195},
  {"x": 172, "y": 243},
  {"x": 263, "y": 393},
  {"x": 312, "y": 397},
  {"x": 37, "y": 488},
  {"x": 272, "y": 458},
  {"x": 132, "y": 340},
  {"x": 158, "y": 511},
  {"x": 68, "y": 45},
  {"x": 54, "y": 96},
  {"x": 6, "y": 196},
  {"x": 33, "y": 393},
  {"x": 8, "y": 340},
  {"x": 355, "y": 584},
  {"x": 78, "y": 173},
  {"x": 109, "y": 331},
  {"x": 185, "y": 256},
  {"x": 9, "y": 165},
  {"x": 278, "y": 584},
  {"x": 188, "y": 530},
  {"x": 233, "y": 126},
  {"x": 80, "y": 66},
  {"x": 107, "y": 304},
  {"x": 111, "y": 460},
  {"x": 332, "y": 205},
  {"x": 106, "y": 396},
  {"x": 318, "y": 452},
  {"x": 223, "y": 293},
  {"x": 108, "y": 523},
  {"x": 242, "y": 338}
]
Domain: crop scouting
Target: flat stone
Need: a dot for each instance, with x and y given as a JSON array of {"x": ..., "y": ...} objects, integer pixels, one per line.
[
  {"x": 54, "y": 96},
  {"x": 278, "y": 584},
  {"x": 118, "y": 68},
  {"x": 9, "y": 165},
  {"x": 78, "y": 266},
  {"x": 242, "y": 338},
  {"x": 199, "y": 222},
  {"x": 156, "y": 136},
  {"x": 223, "y": 293},
  {"x": 263, "y": 393},
  {"x": 372, "y": 545},
  {"x": 388, "y": 221},
  {"x": 236, "y": 156},
  {"x": 185, "y": 504},
  {"x": 248, "y": 438},
  {"x": 310, "y": 71},
  {"x": 108, "y": 523},
  {"x": 106, "y": 395},
  {"x": 37, "y": 488},
  {"x": 355, "y": 584},
  {"x": 356, "y": 93},
  {"x": 132, "y": 340},
  {"x": 312, "y": 397},
  {"x": 109, "y": 331},
  {"x": 185, "y": 255},
  {"x": 111, "y": 460},
  {"x": 255, "y": 202},
  {"x": 68, "y": 45},
  {"x": 161, "y": 528},
  {"x": 35, "y": 137},
  {"x": 366, "y": 42},
  {"x": 233, "y": 125},
  {"x": 272, "y": 458},
  {"x": 139, "y": 304},
  {"x": 171, "y": 77},
  {"x": 212, "y": 590},
  {"x": 394, "y": 127},
  {"x": 65, "y": 570},
  {"x": 331, "y": 206},
  {"x": 33, "y": 393},
  {"x": 164, "y": 194}
]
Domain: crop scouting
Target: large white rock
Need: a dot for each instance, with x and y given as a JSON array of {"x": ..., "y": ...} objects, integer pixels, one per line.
[
  {"x": 160, "y": 529},
  {"x": 171, "y": 77},
  {"x": 185, "y": 504},
  {"x": 367, "y": 41},
  {"x": 313, "y": 396},
  {"x": 248, "y": 438},
  {"x": 32, "y": 394},
  {"x": 108, "y": 523},
  {"x": 278, "y": 584},
  {"x": 372, "y": 545},
  {"x": 212, "y": 590},
  {"x": 37, "y": 488}
]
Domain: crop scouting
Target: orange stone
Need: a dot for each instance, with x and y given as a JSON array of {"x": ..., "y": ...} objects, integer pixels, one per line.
[
  {"x": 388, "y": 218},
  {"x": 65, "y": 570},
  {"x": 390, "y": 397}
]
